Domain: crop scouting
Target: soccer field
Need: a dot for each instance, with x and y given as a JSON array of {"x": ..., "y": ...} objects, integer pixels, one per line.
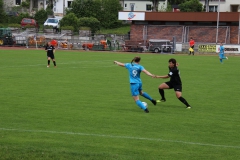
[{"x": 83, "y": 109}]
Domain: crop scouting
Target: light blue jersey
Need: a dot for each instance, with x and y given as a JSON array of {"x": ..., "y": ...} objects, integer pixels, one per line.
[
  {"x": 221, "y": 51},
  {"x": 134, "y": 72}
]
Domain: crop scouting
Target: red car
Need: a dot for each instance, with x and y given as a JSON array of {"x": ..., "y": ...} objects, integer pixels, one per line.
[{"x": 29, "y": 21}]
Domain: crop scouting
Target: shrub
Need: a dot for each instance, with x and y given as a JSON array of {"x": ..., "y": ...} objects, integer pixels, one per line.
[
  {"x": 70, "y": 20},
  {"x": 67, "y": 28},
  {"x": 29, "y": 26},
  {"x": 14, "y": 25},
  {"x": 90, "y": 22},
  {"x": 41, "y": 16},
  {"x": 48, "y": 27},
  {"x": 85, "y": 28}
]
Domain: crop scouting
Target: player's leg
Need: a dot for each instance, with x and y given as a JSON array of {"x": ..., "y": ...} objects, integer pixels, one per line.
[
  {"x": 161, "y": 90},
  {"x": 223, "y": 57},
  {"x": 48, "y": 58},
  {"x": 220, "y": 58},
  {"x": 135, "y": 95},
  {"x": 53, "y": 59},
  {"x": 178, "y": 92},
  {"x": 54, "y": 62},
  {"x": 146, "y": 95},
  {"x": 193, "y": 50}
]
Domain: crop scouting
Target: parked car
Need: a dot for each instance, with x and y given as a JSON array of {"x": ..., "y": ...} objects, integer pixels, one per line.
[
  {"x": 12, "y": 13},
  {"x": 160, "y": 45},
  {"x": 54, "y": 22},
  {"x": 31, "y": 22}
]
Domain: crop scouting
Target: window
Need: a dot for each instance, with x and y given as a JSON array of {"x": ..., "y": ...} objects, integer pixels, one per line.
[
  {"x": 148, "y": 7},
  {"x": 213, "y": 8},
  {"x": 125, "y": 5},
  {"x": 69, "y": 4},
  {"x": 141, "y": 22},
  {"x": 172, "y": 23},
  {"x": 132, "y": 6},
  {"x": 214, "y": 0},
  {"x": 205, "y": 23},
  {"x": 188, "y": 23},
  {"x": 18, "y": 2},
  {"x": 234, "y": 8}
]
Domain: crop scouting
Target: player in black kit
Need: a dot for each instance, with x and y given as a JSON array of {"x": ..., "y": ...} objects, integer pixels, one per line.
[
  {"x": 50, "y": 54},
  {"x": 175, "y": 82}
]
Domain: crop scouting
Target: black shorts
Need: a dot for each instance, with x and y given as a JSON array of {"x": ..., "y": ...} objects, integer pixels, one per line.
[
  {"x": 192, "y": 46},
  {"x": 51, "y": 56},
  {"x": 175, "y": 87}
]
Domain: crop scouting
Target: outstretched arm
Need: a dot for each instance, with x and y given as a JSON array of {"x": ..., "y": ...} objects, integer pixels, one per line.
[
  {"x": 119, "y": 63},
  {"x": 148, "y": 73},
  {"x": 166, "y": 76}
]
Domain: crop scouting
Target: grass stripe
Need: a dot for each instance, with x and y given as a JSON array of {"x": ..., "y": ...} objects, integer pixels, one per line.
[{"x": 121, "y": 137}]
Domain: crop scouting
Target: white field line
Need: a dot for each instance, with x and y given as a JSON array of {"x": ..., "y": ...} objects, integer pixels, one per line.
[
  {"x": 121, "y": 137},
  {"x": 74, "y": 62}
]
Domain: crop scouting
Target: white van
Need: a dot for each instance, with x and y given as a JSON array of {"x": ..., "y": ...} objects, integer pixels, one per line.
[{"x": 54, "y": 22}]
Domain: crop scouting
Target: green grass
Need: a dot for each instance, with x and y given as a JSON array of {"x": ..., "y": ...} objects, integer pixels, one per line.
[
  {"x": 120, "y": 30},
  {"x": 83, "y": 108}
]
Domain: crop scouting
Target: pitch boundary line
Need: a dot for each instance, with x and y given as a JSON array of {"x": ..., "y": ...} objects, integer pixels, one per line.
[{"x": 120, "y": 137}]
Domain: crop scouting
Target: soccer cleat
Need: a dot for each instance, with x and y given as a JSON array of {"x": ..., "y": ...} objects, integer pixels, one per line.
[
  {"x": 154, "y": 102},
  {"x": 163, "y": 100},
  {"x": 146, "y": 110},
  {"x": 226, "y": 57},
  {"x": 188, "y": 107},
  {"x": 47, "y": 66}
]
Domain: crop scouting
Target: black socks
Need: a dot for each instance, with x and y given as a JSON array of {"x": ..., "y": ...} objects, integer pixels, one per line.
[
  {"x": 184, "y": 101},
  {"x": 161, "y": 91}
]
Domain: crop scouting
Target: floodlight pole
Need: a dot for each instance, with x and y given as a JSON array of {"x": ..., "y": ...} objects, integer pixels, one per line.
[
  {"x": 217, "y": 21},
  {"x": 238, "y": 28}
]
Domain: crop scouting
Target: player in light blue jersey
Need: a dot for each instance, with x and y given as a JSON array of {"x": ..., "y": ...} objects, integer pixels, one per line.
[
  {"x": 221, "y": 53},
  {"x": 135, "y": 69}
]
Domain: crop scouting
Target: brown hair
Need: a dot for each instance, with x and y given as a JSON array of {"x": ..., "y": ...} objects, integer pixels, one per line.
[
  {"x": 173, "y": 61},
  {"x": 136, "y": 59}
]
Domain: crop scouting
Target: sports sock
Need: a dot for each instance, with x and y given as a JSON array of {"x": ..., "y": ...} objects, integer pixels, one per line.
[
  {"x": 54, "y": 62},
  {"x": 140, "y": 104},
  {"x": 161, "y": 91},
  {"x": 145, "y": 95},
  {"x": 221, "y": 60},
  {"x": 183, "y": 101},
  {"x": 48, "y": 62}
]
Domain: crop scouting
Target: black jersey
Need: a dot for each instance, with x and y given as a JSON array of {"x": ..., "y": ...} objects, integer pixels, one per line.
[
  {"x": 174, "y": 75},
  {"x": 49, "y": 49}
]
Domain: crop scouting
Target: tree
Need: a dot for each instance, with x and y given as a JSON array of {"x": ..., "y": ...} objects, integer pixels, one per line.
[
  {"x": 108, "y": 16},
  {"x": 85, "y": 8},
  {"x": 177, "y": 2},
  {"x": 41, "y": 16},
  {"x": 206, "y": 6},
  {"x": 105, "y": 11},
  {"x": 70, "y": 20},
  {"x": 191, "y": 6},
  {"x": 155, "y": 5},
  {"x": 2, "y": 12},
  {"x": 90, "y": 22}
]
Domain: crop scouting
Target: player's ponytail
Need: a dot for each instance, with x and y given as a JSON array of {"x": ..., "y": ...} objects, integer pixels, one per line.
[
  {"x": 133, "y": 60},
  {"x": 136, "y": 59}
]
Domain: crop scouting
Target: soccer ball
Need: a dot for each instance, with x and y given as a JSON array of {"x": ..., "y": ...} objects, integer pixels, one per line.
[{"x": 145, "y": 104}]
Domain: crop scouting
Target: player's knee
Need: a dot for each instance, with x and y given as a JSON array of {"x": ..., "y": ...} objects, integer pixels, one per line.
[{"x": 178, "y": 95}]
